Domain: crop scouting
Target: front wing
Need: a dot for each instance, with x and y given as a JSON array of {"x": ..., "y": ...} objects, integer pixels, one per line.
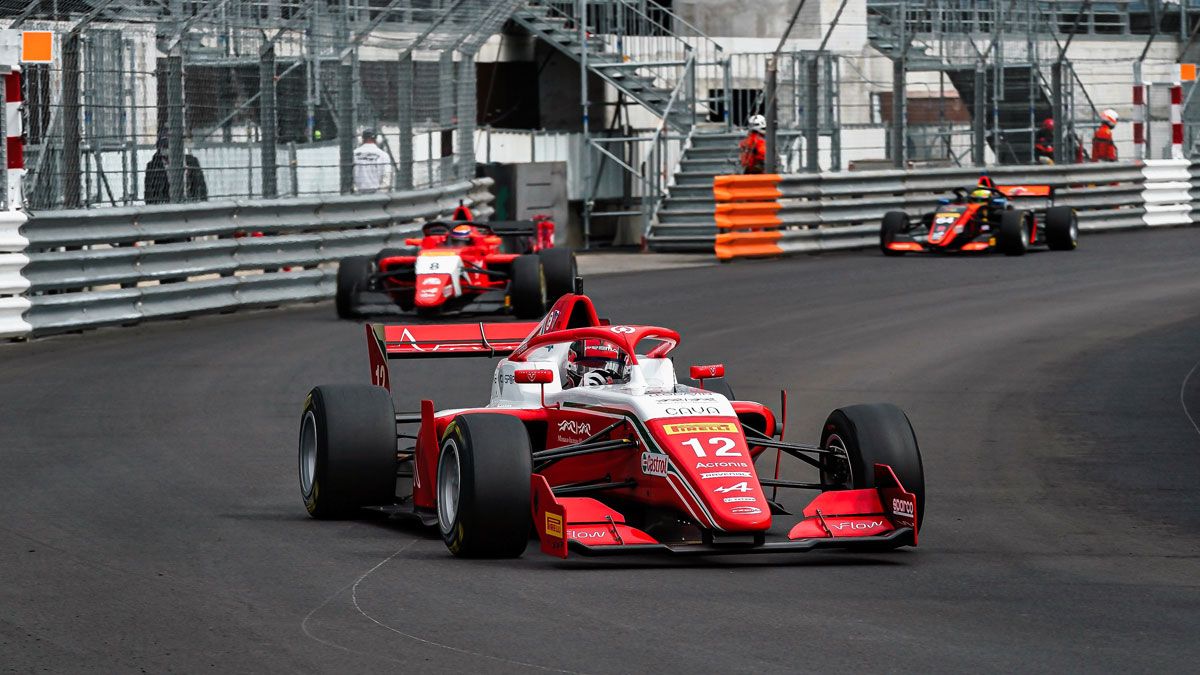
[{"x": 871, "y": 519}]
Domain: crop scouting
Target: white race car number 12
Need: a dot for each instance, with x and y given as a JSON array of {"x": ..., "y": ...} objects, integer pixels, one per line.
[{"x": 724, "y": 445}]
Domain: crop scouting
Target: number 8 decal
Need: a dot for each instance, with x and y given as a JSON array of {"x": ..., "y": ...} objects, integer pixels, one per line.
[{"x": 725, "y": 449}]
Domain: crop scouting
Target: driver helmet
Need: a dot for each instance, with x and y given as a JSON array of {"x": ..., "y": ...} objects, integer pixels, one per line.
[
  {"x": 980, "y": 195},
  {"x": 593, "y": 363},
  {"x": 460, "y": 235},
  {"x": 758, "y": 123}
]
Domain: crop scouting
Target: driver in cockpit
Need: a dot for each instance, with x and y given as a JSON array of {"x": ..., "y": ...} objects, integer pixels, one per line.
[{"x": 594, "y": 363}]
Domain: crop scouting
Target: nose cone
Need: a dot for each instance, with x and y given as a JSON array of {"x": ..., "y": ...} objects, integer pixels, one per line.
[
  {"x": 432, "y": 289},
  {"x": 719, "y": 483}
]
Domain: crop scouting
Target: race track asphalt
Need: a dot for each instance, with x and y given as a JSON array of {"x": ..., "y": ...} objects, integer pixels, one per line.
[{"x": 150, "y": 519}]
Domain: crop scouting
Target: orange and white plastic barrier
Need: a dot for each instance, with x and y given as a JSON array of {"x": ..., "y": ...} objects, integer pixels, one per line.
[{"x": 747, "y": 216}]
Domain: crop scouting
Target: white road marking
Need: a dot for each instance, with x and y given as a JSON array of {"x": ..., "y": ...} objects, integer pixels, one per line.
[
  {"x": 353, "y": 586},
  {"x": 1182, "y": 388}
]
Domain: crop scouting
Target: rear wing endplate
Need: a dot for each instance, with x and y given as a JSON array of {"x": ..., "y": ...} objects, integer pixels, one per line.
[{"x": 418, "y": 341}]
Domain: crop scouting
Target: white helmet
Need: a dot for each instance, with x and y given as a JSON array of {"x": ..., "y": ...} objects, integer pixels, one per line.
[
  {"x": 757, "y": 123},
  {"x": 1109, "y": 117}
]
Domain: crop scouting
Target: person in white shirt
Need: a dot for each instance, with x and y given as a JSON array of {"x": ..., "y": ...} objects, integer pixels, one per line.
[{"x": 372, "y": 166}]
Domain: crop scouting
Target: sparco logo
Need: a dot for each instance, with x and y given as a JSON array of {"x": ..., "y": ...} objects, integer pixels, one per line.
[
  {"x": 902, "y": 507},
  {"x": 573, "y": 427},
  {"x": 855, "y": 525},
  {"x": 653, "y": 464},
  {"x": 746, "y": 510},
  {"x": 694, "y": 410}
]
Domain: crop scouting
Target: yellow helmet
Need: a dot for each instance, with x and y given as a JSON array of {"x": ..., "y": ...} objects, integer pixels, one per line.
[{"x": 981, "y": 195}]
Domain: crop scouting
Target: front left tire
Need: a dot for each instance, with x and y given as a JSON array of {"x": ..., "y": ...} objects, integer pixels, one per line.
[
  {"x": 483, "y": 477},
  {"x": 347, "y": 449},
  {"x": 862, "y": 436}
]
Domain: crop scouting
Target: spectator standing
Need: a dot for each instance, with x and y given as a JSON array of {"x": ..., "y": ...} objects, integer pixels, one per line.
[
  {"x": 753, "y": 148},
  {"x": 1103, "y": 148},
  {"x": 372, "y": 166},
  {"x": 158, "y": 177}
]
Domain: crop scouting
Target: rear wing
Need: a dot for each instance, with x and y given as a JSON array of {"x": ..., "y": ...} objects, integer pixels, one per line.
[
  {"x": 1026, "y": 191},
  {"x": 459, "y": 340}
]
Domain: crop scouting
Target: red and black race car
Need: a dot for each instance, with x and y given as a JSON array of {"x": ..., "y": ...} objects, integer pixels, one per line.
[
  {"x": 459, "y": 265},
  {"x": 984, "y": 219},
  {"x": 590, "y": 441}
]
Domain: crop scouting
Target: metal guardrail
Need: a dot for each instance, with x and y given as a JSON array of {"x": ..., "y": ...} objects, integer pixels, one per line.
[
  {"x": 814, "y": 212},
  {"x": 90, "y": 268}
]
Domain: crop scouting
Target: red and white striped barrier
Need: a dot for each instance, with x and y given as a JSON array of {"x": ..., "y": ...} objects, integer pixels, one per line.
[
  {"x": 1139, "y": 121},
  {"x": 15, "y": 143},
  {"x": 1177, "y": 121}
]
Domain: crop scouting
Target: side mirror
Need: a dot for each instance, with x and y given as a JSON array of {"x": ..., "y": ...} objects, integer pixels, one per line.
[
  {"x": 533, "y": 376},
  {"x": 538, "y": 376},
  {"x": 705, "y": 372},
  {"x": 702, "y": 373}
]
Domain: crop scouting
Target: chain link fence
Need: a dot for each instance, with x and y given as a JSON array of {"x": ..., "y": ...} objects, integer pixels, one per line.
[{"x": 168, "y": 101}]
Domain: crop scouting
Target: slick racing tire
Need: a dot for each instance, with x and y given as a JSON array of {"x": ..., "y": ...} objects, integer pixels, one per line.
[
  {"x": 352, "y": 277},
  {"x": 1013, "y": 238},
  {"x": 347, "y": 449},
  {"x": 483, "y": 471},
  {"x": 560, "y": 269},
  {"x": 528, "y": 287},
  {"x": 862, "y": 436},
  {"x": 894, "y": 222},
  {"x": 1062, "y": 228}
]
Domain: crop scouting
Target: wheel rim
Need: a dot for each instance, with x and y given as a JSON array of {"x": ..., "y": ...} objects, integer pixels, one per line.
[
  {"x": 1074, "y": 230},
  {"x": 542, "y": 284},
  {"x": 839, "y": 471},
  {"x": 308, "y": 452},
  {"x": 449, "y": 482}
]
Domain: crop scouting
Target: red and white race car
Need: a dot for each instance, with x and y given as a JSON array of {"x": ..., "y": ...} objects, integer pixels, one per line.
[
  {"x": 458, "y": 265},
  {"x": 590, "y": 441}
]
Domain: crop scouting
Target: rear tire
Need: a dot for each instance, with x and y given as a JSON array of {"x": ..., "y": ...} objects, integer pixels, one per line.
[
  {"x": 1013, "y": 237},
  {"x": 352, "y": 277},
  {"x": 483, "y": 472},
  {"x": 866, "y": 435},
  {"x": 347, "y": 449},
  {"x": 560, "y": 269},
  {"x": 528, "y": 287},
  {"x": 894, "y": 223},
  {"x": 1062, "y": 228}
]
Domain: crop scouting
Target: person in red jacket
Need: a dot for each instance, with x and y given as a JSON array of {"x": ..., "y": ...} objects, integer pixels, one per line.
[
  {"x": 1043, "y": 146},
  {"x": 753, "y": 148},
  {"x": 1103, "y": 148}
]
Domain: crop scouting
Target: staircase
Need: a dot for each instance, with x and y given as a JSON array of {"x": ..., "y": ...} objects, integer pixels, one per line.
[
  {"x": 685, "y": 219},
  {"x": 651, "y": 57},
  {"x": 1010, "y": 132},
  {"x": 648, "y": 84}
]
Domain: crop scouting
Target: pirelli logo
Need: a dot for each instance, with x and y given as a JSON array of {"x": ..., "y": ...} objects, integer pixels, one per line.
[
  {"x": 701, "y": 428},
  {"x": 554, "y": 525}
]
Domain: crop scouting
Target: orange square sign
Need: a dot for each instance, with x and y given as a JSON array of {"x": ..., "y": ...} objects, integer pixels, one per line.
[
  {"x": 1187, "y": 72},
  {"x": 37, "y": 46}
]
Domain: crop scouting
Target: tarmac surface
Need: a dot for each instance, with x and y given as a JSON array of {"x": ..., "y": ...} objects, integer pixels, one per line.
[{"x": 150, "y": 517}]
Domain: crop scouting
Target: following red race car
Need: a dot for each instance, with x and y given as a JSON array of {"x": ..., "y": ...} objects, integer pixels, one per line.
[
  {"x": 590, "y": 441},
  {"x": 985, "y": 219},
  {"x": 459, "y": 265}
]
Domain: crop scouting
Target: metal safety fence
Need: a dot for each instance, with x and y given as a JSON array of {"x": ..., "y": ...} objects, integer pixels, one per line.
[
  {"x": 192, "y": 100},
  {"x": 772, "y": 215},
  {"x": 74, "y": 269}
]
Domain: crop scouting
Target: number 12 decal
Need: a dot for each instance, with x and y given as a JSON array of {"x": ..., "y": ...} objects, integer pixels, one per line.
[{"x": 725, "y": 446}]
